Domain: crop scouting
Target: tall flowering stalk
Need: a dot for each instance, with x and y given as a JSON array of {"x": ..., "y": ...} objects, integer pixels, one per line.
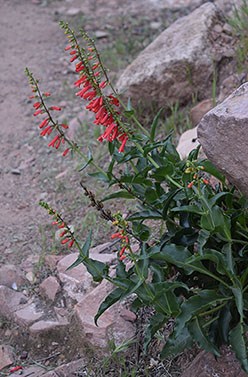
[{"x": 94, "y": 86}]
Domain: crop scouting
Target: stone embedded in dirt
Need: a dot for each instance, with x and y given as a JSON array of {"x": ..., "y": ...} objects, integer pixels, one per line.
[
  {"x": 101, "y": 34},
  {"x": 128, "y": 315},
  {"x": 11, "y": 276},
  {"x": 73, "y": 11},
  {"x": 111, "y": 326},
  {"x": 67, "y": 370},
  {"x": 51, "y": 261},
  {"x": 187, "y": 142},
  {"x": 27, "y": 315},
  {"x": 30, "y": 276},
  {"x": 43, "y": 326},
  {"x": 11, "y": 301},
  {"x": 224, "y": 138},
  {"x": 198, "y": 111},
  {"x": 62, "y": 315},
  {"x": 77, "y": 281},
  {"x": 49, "y": 288},
  {"x": 205, "y": 365},
  {"x": 6, "y": 356},
  {"x": 178, "y": 63}
]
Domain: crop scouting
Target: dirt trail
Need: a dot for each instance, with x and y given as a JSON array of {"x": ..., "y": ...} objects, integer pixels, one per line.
[{"x": 29, "y": 37}]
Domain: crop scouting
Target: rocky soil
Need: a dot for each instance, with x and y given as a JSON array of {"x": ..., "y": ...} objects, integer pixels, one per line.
[{"x": 39, "y": 297}]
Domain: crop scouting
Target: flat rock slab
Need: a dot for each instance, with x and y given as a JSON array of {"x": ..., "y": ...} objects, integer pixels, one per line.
[
  {"x": 111, "y": 325},
  {"x": 6, "y": 356},
  {"x": 224, "y": 137}
]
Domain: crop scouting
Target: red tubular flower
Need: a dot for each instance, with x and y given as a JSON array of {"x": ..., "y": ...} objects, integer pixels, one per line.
[
  {"x": 122, "y": 251},
  {"x": 47, "y": 131},
  {"x": 89, "y": 95},
  {"x": 46, "y": 94},
  {"x": 103, "y": 84},
  {"x": 66, "y": 151},
  {"x": 83, "y": 91},
  {"x": 57, "y": 108},
  {"x": 65, "y": 126},
  {"x": 73, "y": 52},
  {"x": 205, "y": 181},
  {"x": 54, "y": 141},
  {"x": 65, "y": 241},
  {"x": 191, "y": 184},
  {"x": 37, "y": 105},
  {"x": 122, "y": 147},
  {"x": 67, "y": 48},
  {"x": 116, "y": 235},
  {"x": 122, "y": 257},
  {"x": 15, "y": 369},
  {"x": 44, "y": 123},
  {"x": 38, "y": 112},
  {"x": 70, "y": 244},
  {"x": 73, "y": 58}
]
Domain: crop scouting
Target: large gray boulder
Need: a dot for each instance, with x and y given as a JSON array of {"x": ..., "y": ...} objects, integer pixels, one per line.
[
  {"x": 179, "y": 62},
  {"x": 224, "y": 138}
]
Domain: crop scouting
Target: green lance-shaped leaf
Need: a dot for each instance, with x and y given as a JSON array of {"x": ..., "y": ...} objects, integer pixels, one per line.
[
  {"x": 237, "y": 341},
  {"x": 195, "y": 305},
  {"x": 84, "y": 252},
  {"x": 156, "y": 322},
  {"x": 190, "y": 208},
  {"x": 202, "y": 239},
  {"x": 238, "y": 294},
  {"x": 200, "y": 337},
  {"x": 119, "y": 194},
  {"x": 146, "y": 214},
  {"x": 97, "y": 269},
  {"x": 110, "y": 300},
  {"x": 154, "y": 125},
  {"x": 211, "y": 169},
  {"x": 90, "y": 159},
  {"x": 175, "y": 345}
]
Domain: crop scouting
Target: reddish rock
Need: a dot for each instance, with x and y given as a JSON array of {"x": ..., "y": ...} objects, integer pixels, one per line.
[
  {"x": 42, "y": 327},
  {"x": 77, "y": 281},
  {"x": 11, "y": 301},
  {"x": 49, "y": 288},
  {"x": 128, "y": 315},
  {"x": 27, "y": 315},
  {"x": 110, "y": 325},
  {"x": 52, "y": 260},
  {"x": 205, "y": 365},
  {"x": 11, "y": 276},
  {"x": 6, "y": 356},
  {"x": 223, "y": 135}
]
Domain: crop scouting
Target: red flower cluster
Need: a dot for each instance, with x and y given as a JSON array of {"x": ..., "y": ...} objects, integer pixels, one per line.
[
  {"x": 104, "y": 106},
  {"x": 65, "y": 232},
  {"x": 124, "y": 243},
  {"x": 47, "y": 126}
]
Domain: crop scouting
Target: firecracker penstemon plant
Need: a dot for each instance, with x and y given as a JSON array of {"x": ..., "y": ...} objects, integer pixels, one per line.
[{"x": 195, "y": 272}]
